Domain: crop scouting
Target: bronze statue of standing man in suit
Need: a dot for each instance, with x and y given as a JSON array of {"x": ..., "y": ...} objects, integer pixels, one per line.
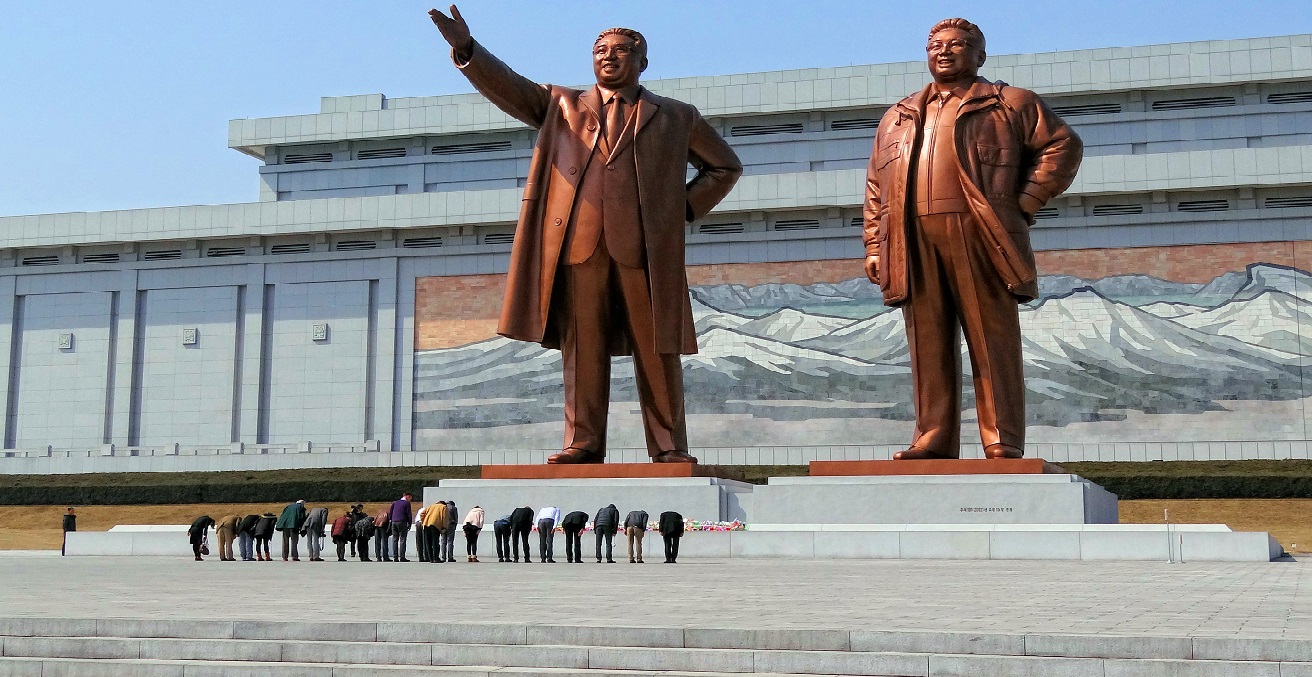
[
  {"x": 957, "y": 173},
  {"x": 597, "y": 266}
]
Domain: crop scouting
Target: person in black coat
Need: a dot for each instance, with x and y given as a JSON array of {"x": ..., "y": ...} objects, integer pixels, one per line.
[
  {"x": 521, "y": 523},
  {"x": 357, "y": 511},
  {"x": 196, "y": 533},
  {"x": 573, "y": 524},
  {"x": 671, "y": 528},
  {"x": 264, "y": 530},
  {"x": 70, "y": 524},
  {"x": 606, "y": 524},
  {"x": 501, "y": 530}
]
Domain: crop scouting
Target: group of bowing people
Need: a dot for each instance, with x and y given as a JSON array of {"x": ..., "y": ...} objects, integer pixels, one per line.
[
  {"x": 512, "y": 531},
  {"x": 435, "y": 527}
]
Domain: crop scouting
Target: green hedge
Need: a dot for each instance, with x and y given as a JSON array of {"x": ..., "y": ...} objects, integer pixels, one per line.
[
  {"x": 1128, "y": 480},
  {"x": 1222, "y": 486},
  {"x": 1200, "y": 479},
  {"x": 312, "y": 484},
  {"x": 319, "y": 485},
  {"x": 263, "y": 492}
]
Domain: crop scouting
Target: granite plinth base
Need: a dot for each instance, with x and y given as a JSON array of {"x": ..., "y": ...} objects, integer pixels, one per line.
[
  {"x": 934, "y": 499},
  {"x": 698, "y": 498},
  {"x": 1079, "y": 542},
  {"x": 955, "y": 466},
  {"x": 607, "y": 471}
]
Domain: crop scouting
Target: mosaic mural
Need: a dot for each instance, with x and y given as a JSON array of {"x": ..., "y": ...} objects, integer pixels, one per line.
[{"x": 1128, "y": 357}]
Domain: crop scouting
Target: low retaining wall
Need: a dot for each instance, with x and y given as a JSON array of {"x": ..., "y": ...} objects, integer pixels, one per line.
[{"x": 1090, "y": 542}]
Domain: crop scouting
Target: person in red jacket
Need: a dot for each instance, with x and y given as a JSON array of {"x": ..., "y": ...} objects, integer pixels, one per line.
[{"x": 341, "y": 534}]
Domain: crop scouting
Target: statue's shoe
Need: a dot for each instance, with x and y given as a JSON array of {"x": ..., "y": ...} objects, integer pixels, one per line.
[
  {"x": 674, "y": 456},
  {"x": 573, "y": 456},
  {"x": 1002, "y": 451},
  {"x": 914, "y": 454}
]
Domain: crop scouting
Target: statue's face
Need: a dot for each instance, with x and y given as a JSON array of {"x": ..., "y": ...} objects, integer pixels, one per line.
[
  {"x": 617, "y": 61},
  {"x": 953, "y": 56}
]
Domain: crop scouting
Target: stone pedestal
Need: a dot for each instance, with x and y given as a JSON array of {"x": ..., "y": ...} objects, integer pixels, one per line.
[
  {"x": 933, "y": 499},
  {"x": 699, "y": 498},
  {"x": 955, "y": 466},
  {"x": 541, "y": 471}
]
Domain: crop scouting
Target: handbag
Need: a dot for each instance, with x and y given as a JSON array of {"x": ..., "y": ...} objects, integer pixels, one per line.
[{"x": 205, "y": 544}]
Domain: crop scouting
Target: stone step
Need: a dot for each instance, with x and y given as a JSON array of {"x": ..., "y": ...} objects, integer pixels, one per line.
[
  {"x": 622, "y": 637},
  {"x": 70, "y": 667},
  {"x": 502, "y": 655},
  {"x": 938, "y": 666},
  {"x": 152, "y": 653}
]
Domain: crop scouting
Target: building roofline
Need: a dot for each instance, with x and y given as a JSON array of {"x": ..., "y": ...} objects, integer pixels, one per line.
[
  {"x": 1074, "y": 72},
  {"x": 1099, "y": 175}
]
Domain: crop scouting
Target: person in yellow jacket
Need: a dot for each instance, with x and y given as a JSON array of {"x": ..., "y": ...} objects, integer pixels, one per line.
[
  {"x": 435, "y": 522},
  {"x": 227, "y": 529}
]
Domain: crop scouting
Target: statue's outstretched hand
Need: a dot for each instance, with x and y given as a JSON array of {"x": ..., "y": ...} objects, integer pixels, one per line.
[{"x": 454, "y": 29}]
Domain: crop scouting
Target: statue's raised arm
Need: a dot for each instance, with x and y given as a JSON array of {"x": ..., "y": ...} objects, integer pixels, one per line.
[{"x": 454, "y": 29}]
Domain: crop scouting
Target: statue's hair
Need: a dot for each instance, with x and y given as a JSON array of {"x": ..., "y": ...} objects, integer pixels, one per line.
[
  {"x": 637, "y": 38},
  {"x": 976, "y": 35}
]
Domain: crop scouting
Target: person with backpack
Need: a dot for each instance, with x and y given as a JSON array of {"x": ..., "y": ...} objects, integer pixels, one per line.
[
  {"x": 382, "y": 529},
  {"x": 246, "y": 537},
  {"x": 364, "y": 533},
  {"x": 263, "y": 532},
  {"x": 341, "y": 533}
]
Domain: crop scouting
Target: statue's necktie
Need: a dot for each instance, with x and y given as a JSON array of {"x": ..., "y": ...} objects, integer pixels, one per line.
[{"x": 614, "y": 121}]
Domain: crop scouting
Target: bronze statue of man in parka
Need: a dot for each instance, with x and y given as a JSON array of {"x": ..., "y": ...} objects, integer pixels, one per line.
[{"x": 957, "y": 173}]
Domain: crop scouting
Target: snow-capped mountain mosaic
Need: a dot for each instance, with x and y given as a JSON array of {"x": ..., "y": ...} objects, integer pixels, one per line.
[{"x": 1098, "y": 354}]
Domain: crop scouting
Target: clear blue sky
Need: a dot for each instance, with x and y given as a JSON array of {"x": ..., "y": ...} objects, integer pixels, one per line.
[{"x": 125, "y": 104}]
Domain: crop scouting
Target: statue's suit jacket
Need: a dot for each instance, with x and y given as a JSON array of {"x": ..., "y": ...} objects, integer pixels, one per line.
[{"x": 669, "y": 135}]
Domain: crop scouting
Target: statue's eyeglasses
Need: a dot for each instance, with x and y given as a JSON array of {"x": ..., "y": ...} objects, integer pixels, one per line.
[
  {"x": 949, "y": 46},
  {"x": 617, "y": 50}
]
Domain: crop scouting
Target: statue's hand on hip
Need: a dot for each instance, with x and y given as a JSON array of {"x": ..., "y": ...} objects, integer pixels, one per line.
[
  {"x": 454, "y": 29},
  {"x": 872, "y": 267}
]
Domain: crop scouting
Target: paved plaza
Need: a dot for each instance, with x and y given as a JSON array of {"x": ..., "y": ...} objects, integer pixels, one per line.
[{"x": 1246, "y": 600}]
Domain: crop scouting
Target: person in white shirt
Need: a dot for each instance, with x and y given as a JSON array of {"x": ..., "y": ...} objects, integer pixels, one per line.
[
  {"x": 473, "y": 525},
  {"x": 547, "y": 518},
  {"x": 419, "y": 533}
]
